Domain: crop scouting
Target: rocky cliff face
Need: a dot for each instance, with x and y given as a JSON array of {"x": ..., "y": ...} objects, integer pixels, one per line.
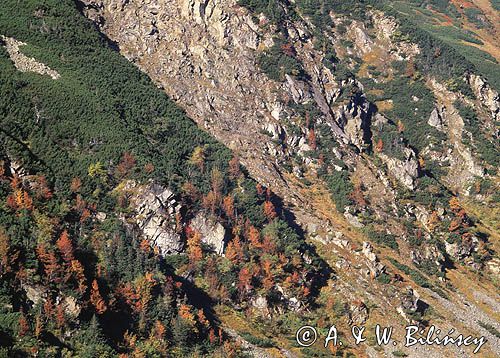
[
  {"x": 212, "y": 233},
  {"x": 205, "y": 55}
]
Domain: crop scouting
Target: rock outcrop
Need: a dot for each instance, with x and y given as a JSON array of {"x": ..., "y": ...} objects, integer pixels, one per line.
[
  {"x": 212, "y": 233},
  {"x": 24, "y": 63},
  {"x": 406, "y": 171},
  {"x": 154, "y": 215},
  {"x": 436, "y": 118},
  {"x": 374, "y": 266},
  {"x": 358, "y": 313},
  {"x": 486, "y": 95},
  {"x": 409, "y": 304}
]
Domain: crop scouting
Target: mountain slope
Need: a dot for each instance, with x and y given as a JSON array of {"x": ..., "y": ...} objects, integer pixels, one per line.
[
  {"x": 341, "y": 80},
  {"x": 380, "y": 135},
  {"x": 114, "y": 206}
]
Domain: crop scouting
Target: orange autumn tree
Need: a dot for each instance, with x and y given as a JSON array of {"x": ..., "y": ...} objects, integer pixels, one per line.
[
  {"x": 379, "y": 146},
  {"x": 76, "y": 184},
  {"x": 454, "y": 204},
  {"x": 311, "y": 138},
  {"x": 79, "y": 274},
  {"x": 269, "y": 210},
  {"x": 65, "y": 247},
  {"x": 253, "y": 236},
  {"x": 49, "y": 261},
  {"x": 210, "y": 202},
  {"x": 234, "y": 251},
  {"x": 195, "y": 252},
  {"x": 268, "y": 245},
  {"x": 126, "y": 165},
  {"x": 268, "y": 281},
  {"x": 60, "y": 317},
  {"x": 186, "y": 314},
  {"x": 159, "y": 330},
  {"x": 23, "y": 325},
  {"x": 228, "y": 205},
  {"x": 234, "y": 168},
  {"x": 96, "y": 299},
  {"x": 244, "y": 281},
  {"x": 357, "y": 195},
  {"x": 144, "y": 286}
]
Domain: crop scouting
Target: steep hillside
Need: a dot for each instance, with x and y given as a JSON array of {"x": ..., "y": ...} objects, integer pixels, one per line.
[
  {"x": 372, "y": 127},
  {"x": 104, "y": 182}
]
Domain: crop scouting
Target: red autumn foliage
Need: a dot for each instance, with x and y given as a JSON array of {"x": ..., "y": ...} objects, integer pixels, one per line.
[
  {"x": 24, "y": 327},
  {"x": 210, "y": 202},
  {"x": 76, "y": 185},
  {"x": 126, "y": 165},
  {"x": 269, "y": 210},
  {"x": 357, "y": 196},
  {"x": 228, "y": 205},
  {"x": 244, "y": 280},
  {"x": 288, "y": 49},
  {"x": 211, "y": 336},
  {"x": 65, "y": 247},
  {"x": 195, "y": 252},
  {"x": 253, "y": 236},
  {"x": 311, "y": 139},
  {"x": 50, "y": 264},
  {"x": 268, "y": 245},
  {"x": 60, "y": 317}
]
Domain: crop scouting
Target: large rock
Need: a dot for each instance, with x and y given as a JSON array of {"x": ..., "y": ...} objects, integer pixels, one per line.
[
  {"x": 212, "y": 233},
  {"x": 406, "y": 171},
  {"x": 428, "y": 253},
  {"x": 436, "y": 119},
  {"x": 485, "y": 94},
  {"x": 154, "y": 211},
  {"x": 462, "y": 249},
  {"x": 409, "y": 304},
  {"x": 71, "y": 306},
  {"x": 374, "y": 266},
  {"x": 354, "y": 119}
]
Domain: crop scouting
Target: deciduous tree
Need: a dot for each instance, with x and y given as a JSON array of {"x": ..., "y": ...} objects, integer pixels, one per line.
[
  {"x": 23, "y": 325},
  {"x": 198, "y": 158},
  {"x": 65, "y": 247},
  {"x": 228, "y": 205},
  {"x": 311, "y": 138},
  {"x": 269, "y": 210},
  {"x": 50, "y": 264},
  {"x": 234, "y": 168},
  {"x": 126, "y": 165},
  {"x": 96, "y": 299}
]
